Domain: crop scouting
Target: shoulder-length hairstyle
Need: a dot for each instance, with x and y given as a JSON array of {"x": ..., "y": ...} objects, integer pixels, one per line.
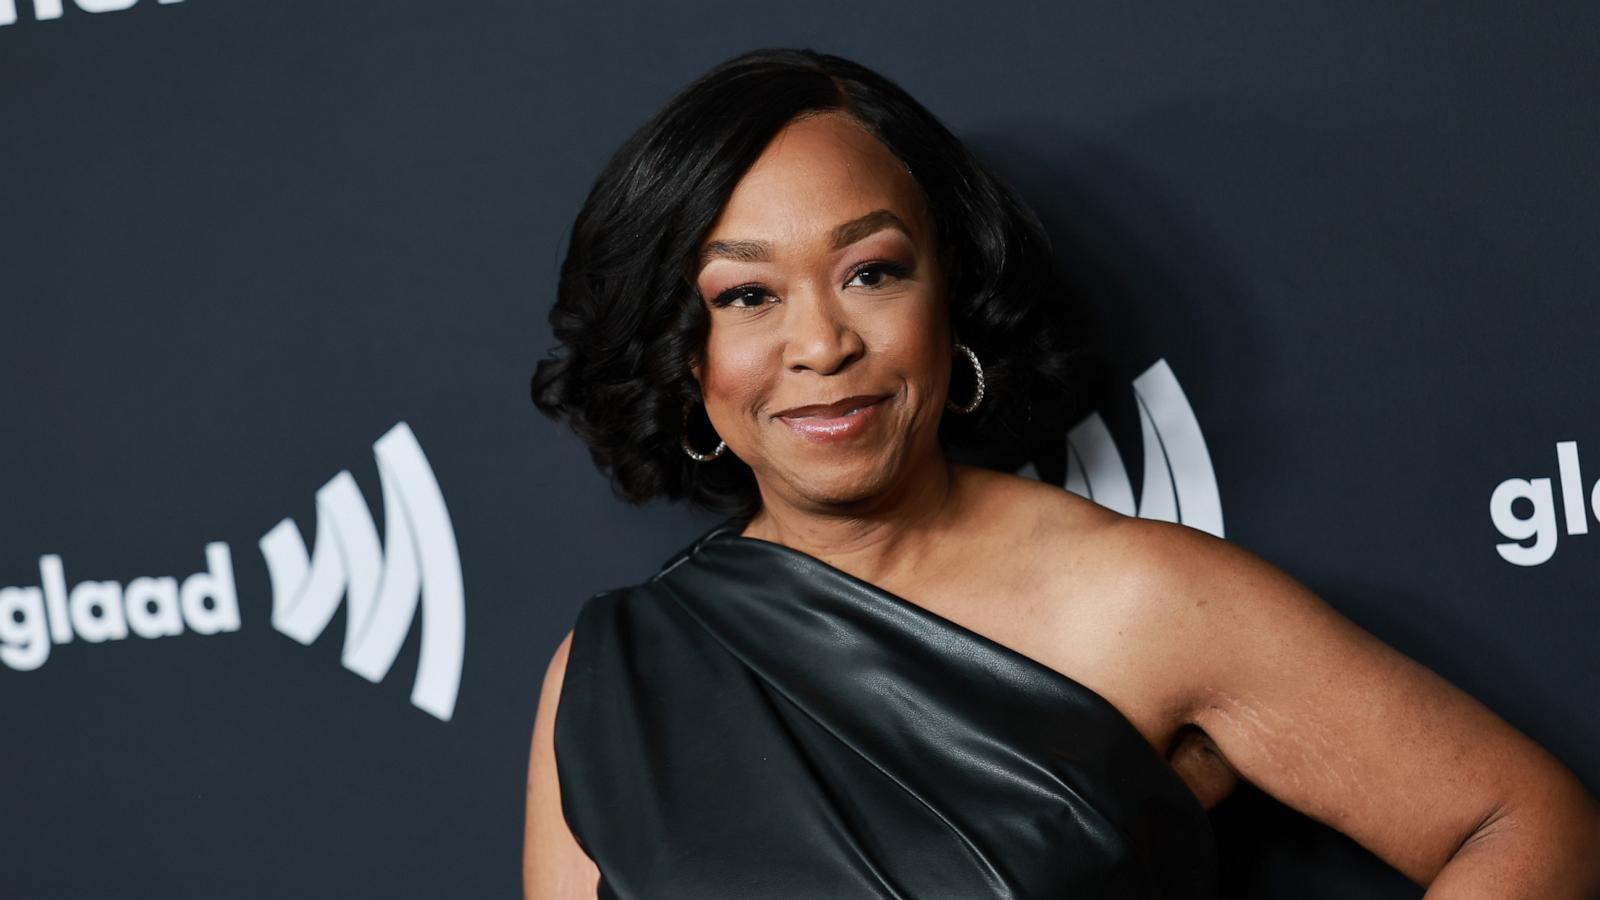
[{"x": 631, "y": 323}]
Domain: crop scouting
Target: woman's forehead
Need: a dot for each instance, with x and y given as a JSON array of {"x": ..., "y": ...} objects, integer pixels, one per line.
[{"x": 816, "y": 174}]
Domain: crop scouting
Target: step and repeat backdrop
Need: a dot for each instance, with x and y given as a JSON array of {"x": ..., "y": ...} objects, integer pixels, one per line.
[{"x": 285, "y": 548}]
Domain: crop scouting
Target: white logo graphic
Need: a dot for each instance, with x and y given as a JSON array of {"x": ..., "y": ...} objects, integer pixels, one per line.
[
  {"x": 382, "y": 584},
  {"x": 1179, "y": 483},
  {"x": 34, "y": 618},
  {"x": 1540, "y": 524},
  {"x": 51, "y": 9},
  {"x": 417, "y": 562}
]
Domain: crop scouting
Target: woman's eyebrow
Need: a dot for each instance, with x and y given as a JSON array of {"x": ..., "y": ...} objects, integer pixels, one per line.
[
  {"x": 854, "y": 230},
  {"x": 844, "y": 235},
  {"x": 739, "y": 251}
]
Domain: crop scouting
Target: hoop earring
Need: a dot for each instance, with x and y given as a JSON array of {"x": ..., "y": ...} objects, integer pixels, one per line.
[
  {"x": 683, "y": 439},
  {"x": 977, "y": 371}
]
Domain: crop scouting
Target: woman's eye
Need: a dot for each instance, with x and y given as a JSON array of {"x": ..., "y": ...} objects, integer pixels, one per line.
[
  {"x": 872, "y": 274},
  {"x": 741, "y": 297}
]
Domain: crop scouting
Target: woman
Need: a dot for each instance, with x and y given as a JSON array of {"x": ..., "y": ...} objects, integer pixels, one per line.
[{"x": 886, "y": 674}]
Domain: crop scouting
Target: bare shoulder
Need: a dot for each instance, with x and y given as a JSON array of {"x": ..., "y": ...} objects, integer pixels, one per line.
[
  {"x": 1086, "y": 591},
  {"x": 554, "y": 865},
  {"x": 1123, "y": 589},
  {"x": 1029, "y": 512},
  {"x": 1069, "y": 558}
]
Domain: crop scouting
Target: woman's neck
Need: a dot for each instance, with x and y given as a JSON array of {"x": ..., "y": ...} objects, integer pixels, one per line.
[{"x": 884, "y": 541}]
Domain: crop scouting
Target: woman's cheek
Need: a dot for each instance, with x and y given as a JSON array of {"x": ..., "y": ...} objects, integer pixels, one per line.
[{"x": 734, "y": 375}]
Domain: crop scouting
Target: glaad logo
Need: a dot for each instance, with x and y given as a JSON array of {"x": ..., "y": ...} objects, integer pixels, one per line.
[
  {"x": 1540, "y": 524},
  {"x": 34, "y": 618},
  {"x": 383, "y": 584},
  {"x": 51, "y": 9},
  {"x": 1179, "y": 483}
]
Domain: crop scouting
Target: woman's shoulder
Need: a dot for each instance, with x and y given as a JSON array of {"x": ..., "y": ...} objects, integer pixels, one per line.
[
  {"x": 1060, "y": 561},
  {"x": 1096, "y": 580},
  {"x": 1094, "y": 594},
  {"x": 1036, "y": 516},
  {"x": 1047, "y": 518}
]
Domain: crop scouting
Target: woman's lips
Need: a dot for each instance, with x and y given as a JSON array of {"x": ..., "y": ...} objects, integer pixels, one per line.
[{"x": 822, "y": 429}]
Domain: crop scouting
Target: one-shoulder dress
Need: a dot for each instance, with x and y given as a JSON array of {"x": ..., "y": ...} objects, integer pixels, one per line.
[{"x": 752, "y": 723}]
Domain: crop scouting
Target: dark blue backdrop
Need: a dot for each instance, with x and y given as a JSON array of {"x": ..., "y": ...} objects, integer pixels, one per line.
[{"x": 240, "y": 242}]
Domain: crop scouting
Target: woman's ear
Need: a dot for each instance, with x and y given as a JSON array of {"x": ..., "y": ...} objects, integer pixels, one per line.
[{"x": 695, "y": 365}]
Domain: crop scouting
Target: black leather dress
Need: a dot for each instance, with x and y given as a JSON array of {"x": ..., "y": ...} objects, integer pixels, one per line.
[{"x": 755, "y": 724}]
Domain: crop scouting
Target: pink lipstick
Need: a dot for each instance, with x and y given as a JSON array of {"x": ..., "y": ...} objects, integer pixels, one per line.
[{"x": 837, "y": 423}]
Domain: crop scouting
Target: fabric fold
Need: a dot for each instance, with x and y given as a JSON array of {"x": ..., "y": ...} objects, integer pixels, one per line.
[{"x": 754, "y": 723}]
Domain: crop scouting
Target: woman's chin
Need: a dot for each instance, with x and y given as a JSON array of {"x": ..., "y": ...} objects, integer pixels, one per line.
[{"x": 843, "y": 486}]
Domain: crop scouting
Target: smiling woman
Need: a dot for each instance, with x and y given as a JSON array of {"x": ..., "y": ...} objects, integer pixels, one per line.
[
  {"x": 656, "y": 256},
  {"x": 887, "y": 674},
  {"x": 794, "y": 364}
]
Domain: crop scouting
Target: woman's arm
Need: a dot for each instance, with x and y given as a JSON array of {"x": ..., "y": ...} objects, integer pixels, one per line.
[
  {"x": 554, "y": 867},
  {"x": 1325, "y": 717}
]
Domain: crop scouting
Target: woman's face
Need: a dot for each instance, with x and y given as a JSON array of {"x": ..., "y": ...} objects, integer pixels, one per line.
[{"x": 822, "y": 284}]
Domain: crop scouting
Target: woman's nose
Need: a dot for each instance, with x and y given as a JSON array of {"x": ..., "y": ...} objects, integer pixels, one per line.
[{"x": 818, "y": 334}]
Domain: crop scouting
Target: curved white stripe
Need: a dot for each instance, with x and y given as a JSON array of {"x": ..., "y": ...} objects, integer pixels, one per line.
[
  {"x": 443, "y": 597},
  {"x": 1158, "y": 498},
  {"x": 1104, "y": 479},
  {"x": 371, "y": 648},
  {"x": 1194, "y": 481}
]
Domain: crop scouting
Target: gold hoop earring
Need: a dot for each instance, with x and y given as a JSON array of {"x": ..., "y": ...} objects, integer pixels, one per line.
[
  {"x": 683, "y": 439},
  {"x": 977, "y": 371}
]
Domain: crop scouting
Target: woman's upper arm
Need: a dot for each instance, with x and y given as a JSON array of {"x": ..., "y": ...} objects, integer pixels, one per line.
[
  {"x": 1330, "y": 720},
  {"x": 554, "y": 867}
]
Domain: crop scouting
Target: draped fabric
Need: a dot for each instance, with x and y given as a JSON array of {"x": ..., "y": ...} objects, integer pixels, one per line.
[{"x": 754, "y": 723}]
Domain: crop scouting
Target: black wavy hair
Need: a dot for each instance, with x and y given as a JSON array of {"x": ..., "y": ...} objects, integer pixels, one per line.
[{"x": 631, "y": 324}]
